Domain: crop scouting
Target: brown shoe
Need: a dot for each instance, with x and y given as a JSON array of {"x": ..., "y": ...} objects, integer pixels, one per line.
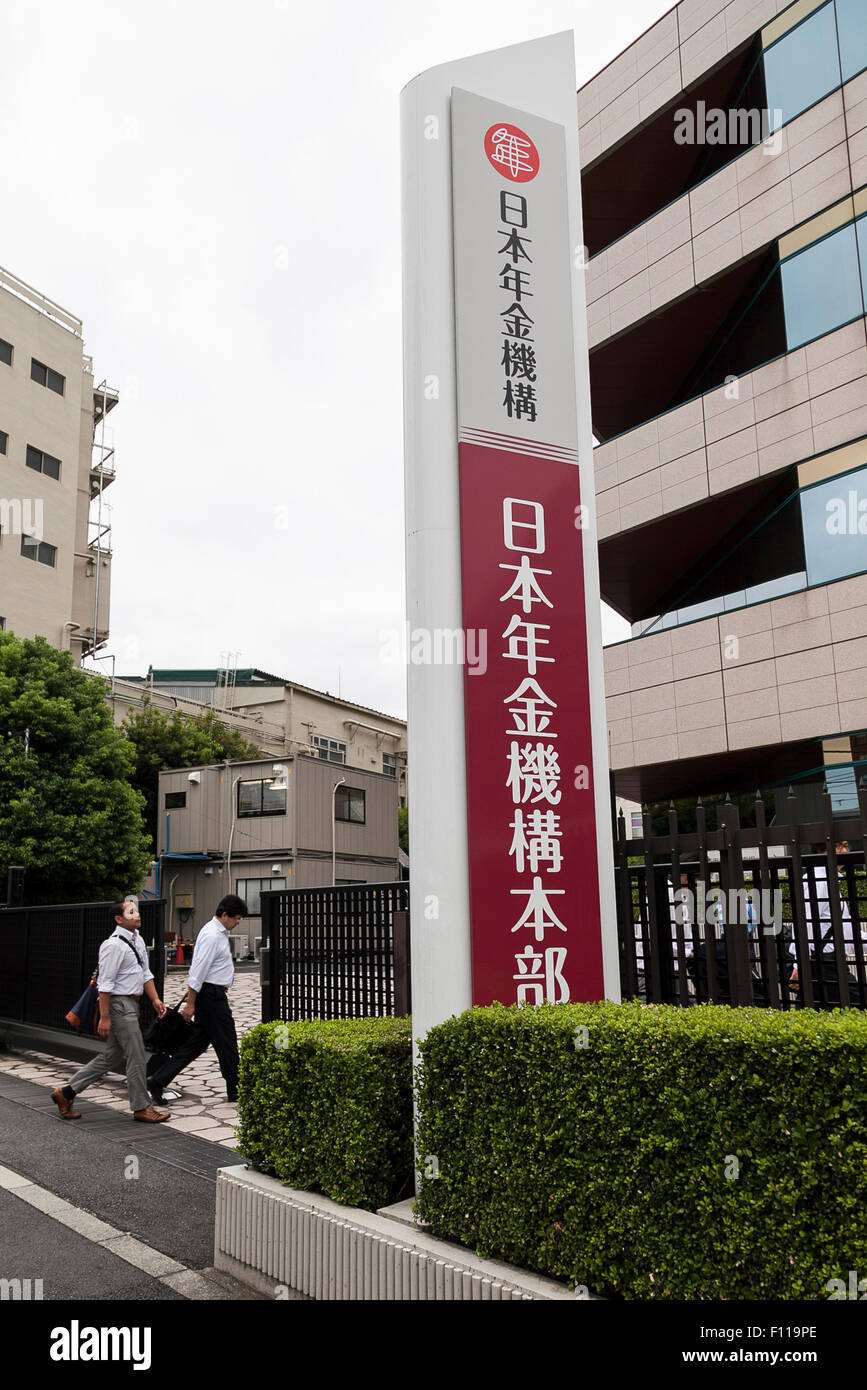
[
  {"x": 64, "y": 1105},
  {"x": 151, "y": 1116}
]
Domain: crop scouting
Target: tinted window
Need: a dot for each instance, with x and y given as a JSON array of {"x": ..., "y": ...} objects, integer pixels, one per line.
[
  {"x": 834, "y": 516},
  {"x": 34, "y": 458},
  {"x": 852, "y": 28},
  {"x": 5, "y": 352},
  {"x": 4, "y": 440},
  {"x": 175, "y": 800},
  {"x": 803, "y": 66},
  {"x": 51, "y": 465},
  {"x": 37, "y": 371},
  {"x": 821, "y": 287},
  {"x": 349, "y": 804},
  {"x": 47, "y": 554},
  {"x": 54, "y": 381}
]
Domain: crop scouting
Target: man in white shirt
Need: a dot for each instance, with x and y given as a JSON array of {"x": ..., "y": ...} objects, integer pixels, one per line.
[
  {"x": 123, "y": 976},
  {"x": 212, "y": 971}
]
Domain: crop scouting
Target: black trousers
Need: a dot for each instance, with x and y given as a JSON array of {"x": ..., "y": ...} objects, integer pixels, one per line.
[{"x": 214, "y": 1027}]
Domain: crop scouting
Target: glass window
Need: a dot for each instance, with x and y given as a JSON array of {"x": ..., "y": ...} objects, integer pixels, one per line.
[
  {"x": 821, "y": 287},
  {"x": 30, "y": 547},
  {"x": 389, "y": 764},
  {"x": 349, "y": 804},
  {"x": 331, "y": 749},
  {"x": 852, "y": 28},
  {"x": 46, "y": 376},
  {"x": 251, "y": 890},
  {"x": 47, "y": 554},
  {"x": 260, "y": 798},
  {"x": 42, "y": 463},
  {"x": 834, "y": 516},
  {"x": 273, "y": 798},
  {"x": 5, "y": 352},
  {"x": 803, "y": 66},
  {"x": 4, "y": 441},
  {"x": 175, "y": 800}
]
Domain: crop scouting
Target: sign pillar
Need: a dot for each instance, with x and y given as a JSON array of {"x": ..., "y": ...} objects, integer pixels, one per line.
[{"x": 510, "y": 836}]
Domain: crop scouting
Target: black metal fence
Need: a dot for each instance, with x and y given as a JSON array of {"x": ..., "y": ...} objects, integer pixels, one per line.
[
  {"x": 336, "y": 952},
  {"x": 773, "y": 916},
  {"x": 47, "y": 956}
]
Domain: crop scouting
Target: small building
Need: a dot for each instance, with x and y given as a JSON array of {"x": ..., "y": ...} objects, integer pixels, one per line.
[
  {"x": 279, "y": 716},
  {"x": 247, "y": 827}
]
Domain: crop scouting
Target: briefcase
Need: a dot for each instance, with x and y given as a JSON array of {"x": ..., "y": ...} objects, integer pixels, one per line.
[{"x": 167, "y": 1033}]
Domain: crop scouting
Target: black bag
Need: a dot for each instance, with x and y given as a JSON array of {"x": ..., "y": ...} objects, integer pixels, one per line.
[{"x": 167, "y": 1033}]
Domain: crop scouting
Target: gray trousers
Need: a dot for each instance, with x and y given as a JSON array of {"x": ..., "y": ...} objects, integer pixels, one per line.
[{"x": 124, "y": 1051}]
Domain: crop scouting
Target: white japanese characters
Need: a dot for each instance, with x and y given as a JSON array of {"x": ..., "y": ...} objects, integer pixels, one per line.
[{"x": 532, "y": 760}]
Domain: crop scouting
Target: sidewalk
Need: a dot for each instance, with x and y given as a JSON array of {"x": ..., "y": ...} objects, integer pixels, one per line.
[{"x": 202, "y": 1110}]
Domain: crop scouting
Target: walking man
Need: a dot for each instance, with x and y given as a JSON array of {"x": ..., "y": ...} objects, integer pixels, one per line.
[
  {"x": 212, "y": 971},
  {"x": 123, "y": 975}
]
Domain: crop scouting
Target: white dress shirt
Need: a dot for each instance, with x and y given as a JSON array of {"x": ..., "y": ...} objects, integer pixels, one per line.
[
  {"x": 212, "y": 962},
  {"x": 117, "y": 972}
]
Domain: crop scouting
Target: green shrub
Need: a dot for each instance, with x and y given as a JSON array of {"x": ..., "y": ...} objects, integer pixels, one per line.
[
  {"x": 707, "y": 1152},
  {"x": 327, "y": 1106}
]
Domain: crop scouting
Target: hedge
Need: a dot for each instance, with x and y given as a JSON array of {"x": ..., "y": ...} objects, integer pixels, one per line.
[
  {"x": 327, "y": 1106},
  {"x": 697, "y": 1153}
]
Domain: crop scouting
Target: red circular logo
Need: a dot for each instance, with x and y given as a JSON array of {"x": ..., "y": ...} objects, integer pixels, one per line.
[{"x": 512, "y": 153}]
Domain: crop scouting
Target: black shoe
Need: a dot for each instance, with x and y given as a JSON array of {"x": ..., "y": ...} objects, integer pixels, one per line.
[{"x": 156, "y": 1095}]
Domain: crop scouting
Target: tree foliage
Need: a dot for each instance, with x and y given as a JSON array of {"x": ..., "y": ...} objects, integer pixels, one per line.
[
  {"x": 403, "y": 828},
  {"x": 68, "y": 810},
  {"x": 161, "y": 740}
]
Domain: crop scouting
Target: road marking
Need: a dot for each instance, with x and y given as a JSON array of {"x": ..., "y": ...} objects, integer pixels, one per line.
[{"x": 188, "y": 1282}]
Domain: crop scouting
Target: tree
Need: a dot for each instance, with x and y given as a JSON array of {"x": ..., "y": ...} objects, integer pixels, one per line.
[
  {"x": 68, "y": 811},
  {"x": 403, "y": 828},
  {"x": 160, "y": 740}
]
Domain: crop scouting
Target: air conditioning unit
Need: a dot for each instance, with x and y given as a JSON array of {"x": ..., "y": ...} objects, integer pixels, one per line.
[{"x": 240, "y": 945}]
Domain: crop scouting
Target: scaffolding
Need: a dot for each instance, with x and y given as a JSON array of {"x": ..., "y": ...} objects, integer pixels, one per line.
[{"x": 102, "y": 472}]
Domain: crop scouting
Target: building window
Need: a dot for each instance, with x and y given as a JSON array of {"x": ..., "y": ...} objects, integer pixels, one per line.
[
  {"x": 345, "y": 882},
  {"x": 39, "y": 550},
  {"x": 349, "y": 805},
  {"x": 47, "y": 376},
  {"x": 42, "y": 462},
  {"x": 331, "y": 749},
  {"x": 175, "y": 800},
  {"x": 5, "y": 352},
  {"x": 389, "y": 764},
  {"x": 637, "y": 822},
  {"x": 803, "y": 66},
  {"x": 250, "y": 889},
  {"x": 4, "y": 441},
  {"x": 261, "y": 798}
]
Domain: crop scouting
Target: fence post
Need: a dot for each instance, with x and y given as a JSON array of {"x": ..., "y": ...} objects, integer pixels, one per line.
[
  {"x": 402, "y": 1005},
  {"x": 832, "y": 874},
  {"x": 767, "y": 955},
  {"x": 732, "y": 877},
  {"x": 266, "y": 966},
  {"x": 626, "y": 932}
]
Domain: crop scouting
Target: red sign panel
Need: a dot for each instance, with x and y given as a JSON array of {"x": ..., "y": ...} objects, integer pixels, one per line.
[{"x": 534, "y": 893}]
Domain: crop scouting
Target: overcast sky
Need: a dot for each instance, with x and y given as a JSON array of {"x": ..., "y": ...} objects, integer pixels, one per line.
[{"x": 214, "y": 189}]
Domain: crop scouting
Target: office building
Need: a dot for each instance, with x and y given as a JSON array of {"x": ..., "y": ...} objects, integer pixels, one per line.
[
  {"x": 724, "y": 189},
  {"x": 56, "y": 460}
]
